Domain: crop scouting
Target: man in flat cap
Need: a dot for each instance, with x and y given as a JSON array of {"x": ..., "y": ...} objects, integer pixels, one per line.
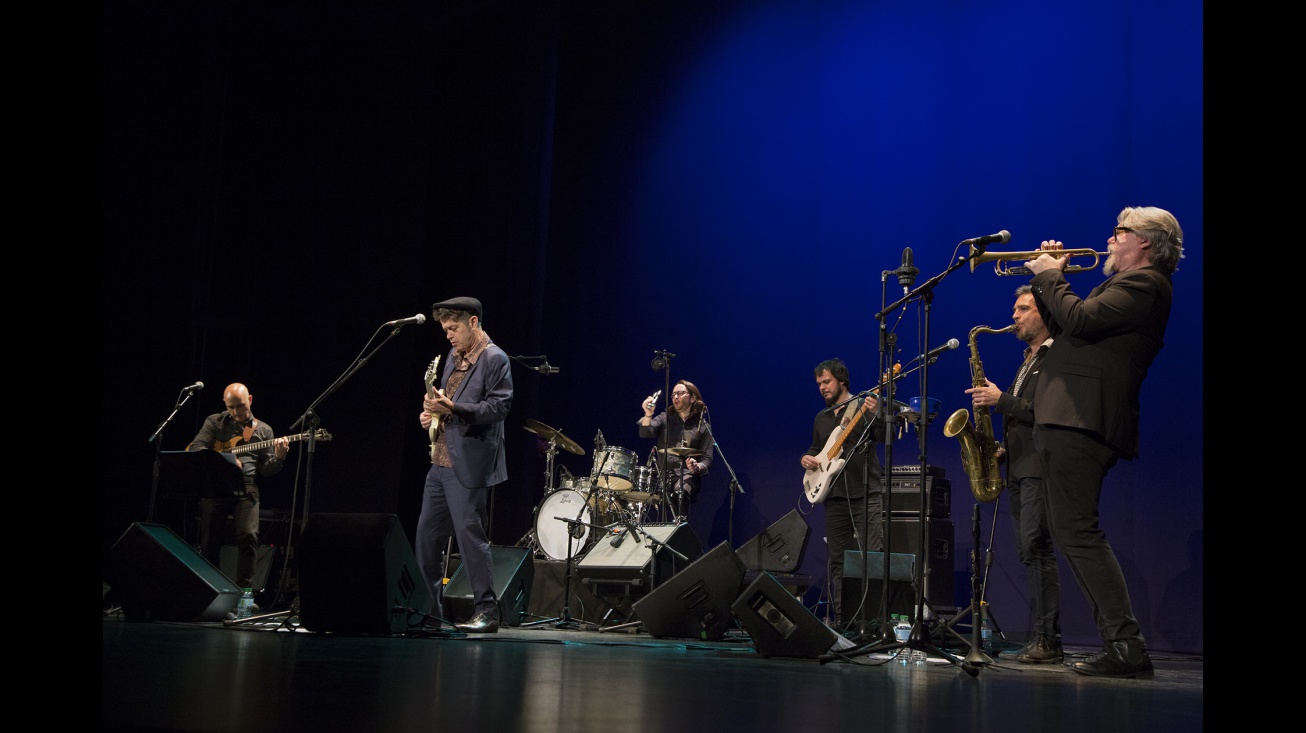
[{"x": 467, "y": 458}]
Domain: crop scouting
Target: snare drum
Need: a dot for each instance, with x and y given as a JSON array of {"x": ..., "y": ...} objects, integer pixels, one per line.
[{"x": 612, "y": 467}]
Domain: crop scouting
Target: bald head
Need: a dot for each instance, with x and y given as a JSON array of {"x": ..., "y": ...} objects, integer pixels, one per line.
[{"x": 237, "y": 399}]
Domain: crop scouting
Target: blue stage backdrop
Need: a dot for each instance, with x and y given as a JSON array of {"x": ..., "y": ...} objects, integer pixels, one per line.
[{"x": 727, "y": 181}]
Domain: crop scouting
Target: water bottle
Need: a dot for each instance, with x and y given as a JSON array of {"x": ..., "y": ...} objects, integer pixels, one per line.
[
  {"x": 986, "y": 631},
  {"x": 245, "y": 608}
]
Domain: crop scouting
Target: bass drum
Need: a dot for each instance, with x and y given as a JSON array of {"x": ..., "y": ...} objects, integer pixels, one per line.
[{"x": 551, "y": 532}]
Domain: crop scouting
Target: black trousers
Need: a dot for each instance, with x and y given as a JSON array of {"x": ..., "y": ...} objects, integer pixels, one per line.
[{"x": 1074, "y": 464}]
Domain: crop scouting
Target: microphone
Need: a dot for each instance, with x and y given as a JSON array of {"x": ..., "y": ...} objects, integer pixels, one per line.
[
  {"x": 907, "y": 272},
  {"x": 621, "y": 537},
  {"x": 418, "y": 319},
  {"x": 546, "y": 369},
  {"x": 194, "y": 387},
  {"x": 599, "y": 442},
  {"x": 660, "y": 359},
  {"x": 654, "y": 399},
  {"x": 1003, "y": 236},
  {"x": 933, "y": 353}
]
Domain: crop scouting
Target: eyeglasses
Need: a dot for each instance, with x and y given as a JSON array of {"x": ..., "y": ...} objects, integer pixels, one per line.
[
  {"x": 1120, "y": 230},
  {"x": 679, "y": 394}
]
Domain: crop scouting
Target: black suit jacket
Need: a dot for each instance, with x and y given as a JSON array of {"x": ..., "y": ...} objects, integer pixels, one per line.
[{"x": 1104, "y": 344}]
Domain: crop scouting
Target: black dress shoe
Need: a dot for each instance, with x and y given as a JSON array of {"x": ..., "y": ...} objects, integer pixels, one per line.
[
  {"x": 1040, "y": 650},
  {"x": 480, "y": 624},
  {"x": 1123, "y": 659}
]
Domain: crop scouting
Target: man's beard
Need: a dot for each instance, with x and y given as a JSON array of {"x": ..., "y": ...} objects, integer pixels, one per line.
[{"x": 831, "y": 401}]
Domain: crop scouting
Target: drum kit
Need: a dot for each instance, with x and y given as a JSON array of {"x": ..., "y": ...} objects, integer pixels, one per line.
[{"x": 616, "y": 492}]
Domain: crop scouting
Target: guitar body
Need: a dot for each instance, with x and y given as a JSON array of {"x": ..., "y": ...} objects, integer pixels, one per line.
[{"x": 817, "y": 481}]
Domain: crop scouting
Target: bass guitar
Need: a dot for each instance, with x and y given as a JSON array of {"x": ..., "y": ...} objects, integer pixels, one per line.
[
  {"x": 236, "y": 447},
  {"x": 817, "y": 481},
  {"x": 433, "y": 374}
]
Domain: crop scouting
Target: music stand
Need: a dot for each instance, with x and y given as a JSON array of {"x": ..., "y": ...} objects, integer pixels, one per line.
[{"x": 207, "y": 474}]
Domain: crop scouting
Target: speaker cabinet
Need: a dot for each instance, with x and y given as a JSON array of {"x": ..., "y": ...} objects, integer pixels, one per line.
[
  {"x": 902, "y": 571},
  {"x": 631, "y": 567},
  {"x": 514, "y": 576},
  {"x": 160, "y": 577},
  {"x": 779, "y": 625},
  {"x": 935, "y": 565},
  {"x": 905, "y": 498},
  {"x": 695, "y": 603},
  {"x": 358, "y": 575},
  {"x": 780, "y": 548}
]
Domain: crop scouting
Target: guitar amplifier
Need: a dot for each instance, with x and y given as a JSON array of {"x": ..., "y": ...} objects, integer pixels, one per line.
[
  {"x": 906, "y": 497},
  {"x": 914, "y": 469}
]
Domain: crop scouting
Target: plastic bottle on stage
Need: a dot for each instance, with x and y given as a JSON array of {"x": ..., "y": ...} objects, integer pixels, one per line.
[
  {"x": 245, "y": 608},
  {"x": 902, "y": 632},
  {"x": 986, "y": 631}
]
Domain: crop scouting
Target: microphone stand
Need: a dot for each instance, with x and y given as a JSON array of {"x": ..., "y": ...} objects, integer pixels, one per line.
[
  {"x": 917, "y": 640},
  {"x": 158, "y": 441},
  {"x": 734, "y": 487},
  {"x": 310, "y": 419}
]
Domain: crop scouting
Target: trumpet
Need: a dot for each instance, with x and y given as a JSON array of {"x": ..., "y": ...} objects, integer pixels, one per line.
[{"x": 998, "y": 258}]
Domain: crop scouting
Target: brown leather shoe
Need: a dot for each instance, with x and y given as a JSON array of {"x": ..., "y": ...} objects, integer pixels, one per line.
[
  {"x": 1040, "y": 650},
  {"x": 1123, "y": 659},
  {"x": 480, "y": 624}
]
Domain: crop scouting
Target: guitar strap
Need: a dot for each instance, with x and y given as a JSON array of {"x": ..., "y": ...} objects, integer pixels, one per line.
[{"x": 848, "y": 411}]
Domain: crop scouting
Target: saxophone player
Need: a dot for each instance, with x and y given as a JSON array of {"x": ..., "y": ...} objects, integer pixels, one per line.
[{"x": 1024, "y": 481}]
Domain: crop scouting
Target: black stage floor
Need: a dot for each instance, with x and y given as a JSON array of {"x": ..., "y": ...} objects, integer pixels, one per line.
[{"x": 277, "y": 675}]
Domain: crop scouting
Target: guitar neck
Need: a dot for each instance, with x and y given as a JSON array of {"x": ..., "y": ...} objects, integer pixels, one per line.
[
  {"x": 838, "y": 444},
  {"x": 260, "y": 445}
]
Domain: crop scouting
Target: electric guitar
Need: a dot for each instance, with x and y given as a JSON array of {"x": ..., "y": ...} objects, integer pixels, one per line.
[
  {"x": 236, "y": 447},
  {"x": 817, "y": 481},
  {"x": 432, "y": 374}
]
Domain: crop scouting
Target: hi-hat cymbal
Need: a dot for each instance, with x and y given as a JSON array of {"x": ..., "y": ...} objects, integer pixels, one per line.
[
  {"x": 639, "y": 497},
  {"x": 548, "y": 433},
  {"x": 681, "y": 452}
]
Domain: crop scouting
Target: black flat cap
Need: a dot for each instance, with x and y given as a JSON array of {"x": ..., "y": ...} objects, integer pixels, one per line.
[{"x": 471, "y": 305}]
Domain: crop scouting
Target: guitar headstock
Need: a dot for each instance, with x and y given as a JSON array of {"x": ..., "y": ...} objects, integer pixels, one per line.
[
  {"x": 432, "y": 374},
  {"x": 321, "y": 435}
]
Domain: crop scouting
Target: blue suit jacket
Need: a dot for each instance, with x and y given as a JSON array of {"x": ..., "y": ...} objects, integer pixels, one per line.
[{"x": 474, "y": 433}]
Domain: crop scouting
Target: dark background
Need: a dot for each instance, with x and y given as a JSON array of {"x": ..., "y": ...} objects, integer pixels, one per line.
[{"x": 726, "y": 181}]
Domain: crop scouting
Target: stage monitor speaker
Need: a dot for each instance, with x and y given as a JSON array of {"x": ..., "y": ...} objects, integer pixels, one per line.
[
  {"x": 780, "y": 548},
  {"x": 514, "y": 575},
  {"x": 358, "y": 575},
  {"x": 695, "y": 603},
  {"x": 634, "y": 566},
  {"x": 159, "y": 577},
  {"x": 902, "y": 571},
  {"x": 779, "y": 625}
]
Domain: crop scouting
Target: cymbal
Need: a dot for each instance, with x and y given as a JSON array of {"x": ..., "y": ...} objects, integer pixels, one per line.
[
  {"x": 548, "y": 433},
  {"x": 680, "y": 452},
  {"x": 639, "y": 497}
]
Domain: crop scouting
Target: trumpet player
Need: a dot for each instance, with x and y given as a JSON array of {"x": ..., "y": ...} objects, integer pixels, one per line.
[
  {"x": 1024, "y": 481},
  {"x": 1086, "y": 408}
]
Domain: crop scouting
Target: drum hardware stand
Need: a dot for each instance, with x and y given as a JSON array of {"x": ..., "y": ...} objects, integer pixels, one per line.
[
  {"x": 918, "y": 638},
  {"x": 529, "y": 539}
]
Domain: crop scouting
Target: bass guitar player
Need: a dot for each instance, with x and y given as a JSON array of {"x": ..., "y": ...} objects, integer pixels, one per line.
[{"x": 847, "y": 483}]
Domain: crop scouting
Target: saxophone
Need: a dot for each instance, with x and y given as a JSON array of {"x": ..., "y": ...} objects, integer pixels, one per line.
[{"x": 978, "y": 449}]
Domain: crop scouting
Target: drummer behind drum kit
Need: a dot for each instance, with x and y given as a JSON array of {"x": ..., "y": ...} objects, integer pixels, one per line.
[{"x": 616, "y": 492}]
